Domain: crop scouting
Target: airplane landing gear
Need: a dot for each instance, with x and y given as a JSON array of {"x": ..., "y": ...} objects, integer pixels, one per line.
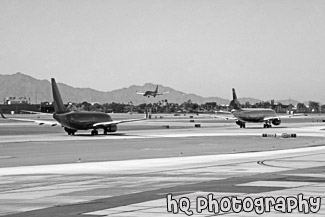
[
  {"x": 241, "y": 124},
  {"x": 70, "y": 131},
  {"x": 105, "y": 131},
  {"x": 94, "y": 132},
  {"x": 267, "y": 125}
]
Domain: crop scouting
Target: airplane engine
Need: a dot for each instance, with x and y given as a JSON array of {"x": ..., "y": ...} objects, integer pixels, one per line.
[
  {"x": 276, "y": 121},
  {"x": 239, "y": 123},
  {"x": 112, "y": 128}
]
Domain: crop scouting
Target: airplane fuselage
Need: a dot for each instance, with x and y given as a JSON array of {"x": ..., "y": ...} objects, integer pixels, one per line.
[
  {"x": 150, "y": 93},
  {"x": 83, "y": 120},
  {"x": 253, "y": 115}
]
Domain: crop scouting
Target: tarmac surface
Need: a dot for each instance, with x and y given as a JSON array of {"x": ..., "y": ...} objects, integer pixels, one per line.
[{"x": 44, "y": 172}]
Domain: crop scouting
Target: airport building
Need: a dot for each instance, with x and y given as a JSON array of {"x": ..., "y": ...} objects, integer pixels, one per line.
[{"x": 16, "y": 100}]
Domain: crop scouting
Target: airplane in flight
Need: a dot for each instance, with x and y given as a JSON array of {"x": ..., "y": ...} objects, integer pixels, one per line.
[
  {"x": 149, "y": 93},
  {"x": 72, "y": 121},
  {"x": 253, "y": 115}
]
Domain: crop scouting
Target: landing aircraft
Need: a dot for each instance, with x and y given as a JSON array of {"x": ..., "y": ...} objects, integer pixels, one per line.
[
  {"x": 149, "y": 93},
  {"x": 72, "y": 121},
  {"x": 254, "y": 115}
]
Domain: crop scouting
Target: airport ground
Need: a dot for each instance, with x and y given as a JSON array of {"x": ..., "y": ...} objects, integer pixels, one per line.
[{"x": 45, "y": 172}]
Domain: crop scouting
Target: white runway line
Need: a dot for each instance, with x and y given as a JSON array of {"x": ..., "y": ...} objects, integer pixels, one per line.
[
  {"x": 314, "y": 175},
  {"x": 285, "y": 184}
]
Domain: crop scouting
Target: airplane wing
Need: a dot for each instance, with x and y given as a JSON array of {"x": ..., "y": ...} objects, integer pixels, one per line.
[
  {"x": 282, "y": 116},
  {"x": 39, "y": 122},
  {"x": 33, "y": 112},
  {"x": 271, "y": 118},
  {"x": 224, "y": 117},
  {"x": 222, "y": 112},
  {"x": 162, "y": 93},
  {"x": 291, "y": 115},
  {"x": 117, "y": 122}
]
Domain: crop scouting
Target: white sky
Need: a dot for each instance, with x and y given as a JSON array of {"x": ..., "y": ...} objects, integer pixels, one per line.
[{"x": 264, "y": 48}]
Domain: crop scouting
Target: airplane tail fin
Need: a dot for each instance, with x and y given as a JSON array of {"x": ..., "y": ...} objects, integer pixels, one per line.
[
  {"x": 156, "y": 89},
  {"x": 58, "y": 103},
  {"x": 235, "y": 103}
]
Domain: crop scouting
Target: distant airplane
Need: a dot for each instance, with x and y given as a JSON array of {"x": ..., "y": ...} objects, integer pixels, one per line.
[
  {"x": 254, "y": 115},
  {"x": 149, "y": 93},
  {"x": 72, "y": 121}
]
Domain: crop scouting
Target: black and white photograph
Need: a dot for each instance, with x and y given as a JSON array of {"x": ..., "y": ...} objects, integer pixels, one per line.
[{"x": 127, "y": 108}]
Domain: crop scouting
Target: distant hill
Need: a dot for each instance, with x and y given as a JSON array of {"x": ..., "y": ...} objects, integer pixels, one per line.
[
  {"x": 288, "y": 102},
  {"x": 23, "y": 85},
  {"x": 252, "y": 101}
]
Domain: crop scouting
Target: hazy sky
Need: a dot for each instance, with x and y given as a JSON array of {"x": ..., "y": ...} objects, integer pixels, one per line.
[{"x": 264, "y": 48}]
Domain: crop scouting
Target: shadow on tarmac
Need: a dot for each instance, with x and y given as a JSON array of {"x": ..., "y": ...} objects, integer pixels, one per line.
[
  {"x": 102, "y": 135},
  {"x": 261, "y": 128}
]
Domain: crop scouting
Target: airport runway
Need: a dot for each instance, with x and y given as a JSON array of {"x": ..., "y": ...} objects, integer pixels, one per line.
[{"x": 129, "y": 173}]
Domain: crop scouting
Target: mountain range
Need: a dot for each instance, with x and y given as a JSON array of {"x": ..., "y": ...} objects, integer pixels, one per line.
[{"x": 40, "y": 90}]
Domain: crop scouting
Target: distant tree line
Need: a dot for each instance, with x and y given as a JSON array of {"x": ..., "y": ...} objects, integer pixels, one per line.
[{"x": 164, "y": 106}]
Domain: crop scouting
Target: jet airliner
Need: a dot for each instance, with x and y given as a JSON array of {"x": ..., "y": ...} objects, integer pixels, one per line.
[
  {"x": 149, "y": 93},
  {"x": 72, "y": 121},
  {"x": 254, "y": 115}
]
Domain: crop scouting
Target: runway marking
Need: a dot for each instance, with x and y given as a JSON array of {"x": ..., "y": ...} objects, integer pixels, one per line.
[
  {"x": 314, "y": 175},
  {"x": 287, "y": 164},
  {"x": 264, "y": 164},
  {"x": 285, "y": 184}
]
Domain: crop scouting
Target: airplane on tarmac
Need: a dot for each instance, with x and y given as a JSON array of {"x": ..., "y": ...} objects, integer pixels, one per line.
[
  {"x": 149, "y": 93},
  {"x": 254, "y": 115},
  {"x": 72, "y": 121}
]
